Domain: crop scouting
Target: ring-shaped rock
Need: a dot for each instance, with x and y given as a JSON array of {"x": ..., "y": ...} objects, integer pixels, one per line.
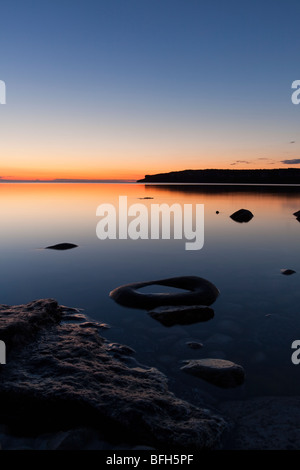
[{"x": 199, "y": 292}]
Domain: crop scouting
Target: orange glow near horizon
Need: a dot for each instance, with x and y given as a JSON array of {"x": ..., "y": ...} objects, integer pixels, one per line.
[
  {"x": 131, "y": 173},
  {"x": 136, "y": 163}
]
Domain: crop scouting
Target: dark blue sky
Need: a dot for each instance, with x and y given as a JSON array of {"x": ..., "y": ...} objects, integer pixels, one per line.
[{"x": 107, "y": 87}]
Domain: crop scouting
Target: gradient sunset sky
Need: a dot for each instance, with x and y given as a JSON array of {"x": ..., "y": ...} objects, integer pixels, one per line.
[{"x": 120, "y": 88}]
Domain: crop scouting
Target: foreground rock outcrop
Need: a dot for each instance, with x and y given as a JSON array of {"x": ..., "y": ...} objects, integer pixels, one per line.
[{"x": 61, "y": 375}]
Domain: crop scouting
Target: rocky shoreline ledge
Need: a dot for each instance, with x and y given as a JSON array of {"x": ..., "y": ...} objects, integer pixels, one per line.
[
  {"x": 61, "y": 374},
  {"x": 65, "y": 387}
]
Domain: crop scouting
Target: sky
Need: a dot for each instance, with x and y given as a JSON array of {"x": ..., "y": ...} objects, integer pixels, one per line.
[{"x": 116, "y": 89}]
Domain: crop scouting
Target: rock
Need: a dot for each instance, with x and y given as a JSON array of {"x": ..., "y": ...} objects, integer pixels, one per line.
[
  {"x": 90, "y": 324},
  {"x": 79, "y": 317},
  {"x": 199, "y": 292},
  {"x": 217, "y": 212},
  {"x": 20, "y": 324},
  {"x": 225, "y": 374},
  {"x": 69, "y": 310},
  {"x": 60, "y": 375},
  {"x": 182, "y": 315},
  {"x": 194, "y": 345},
  {"x": 61, "y": 246},
  {"x": 264, "y": 423},
  {"x": 104, "y": 326},
  {"x": 242, "y": 215},
  {"x": 287, "y": 272},
  {"x": 120, "y": 349},
  {"x": 297, "y": 214}
]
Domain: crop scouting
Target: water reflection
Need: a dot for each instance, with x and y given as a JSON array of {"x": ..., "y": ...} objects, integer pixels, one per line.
[{"x": 256, "y": 318}]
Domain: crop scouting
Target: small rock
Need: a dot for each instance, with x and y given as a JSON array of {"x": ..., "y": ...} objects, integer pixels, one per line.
[
  {"x": 219, "y": 372},
  {"x": 287, "y": 272},
  {"x": 297, "y": 214},
  {"x": 243, "y": 215},
  {"x": 194, "y": 345},
  {"x": 217, "y": 212},
  {"x": 61, "y": 246}
]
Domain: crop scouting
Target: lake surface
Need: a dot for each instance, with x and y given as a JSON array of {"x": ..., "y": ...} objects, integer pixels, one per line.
[{"x": 256, "y": 315}]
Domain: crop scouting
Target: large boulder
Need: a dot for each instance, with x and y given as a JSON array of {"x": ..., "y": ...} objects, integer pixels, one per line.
[
  {"x": 199, "y": 291},
  {"x": 59, "y": 375}
]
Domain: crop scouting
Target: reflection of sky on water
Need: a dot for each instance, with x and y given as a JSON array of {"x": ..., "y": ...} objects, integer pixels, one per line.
[{"x": 242, "y": 260}]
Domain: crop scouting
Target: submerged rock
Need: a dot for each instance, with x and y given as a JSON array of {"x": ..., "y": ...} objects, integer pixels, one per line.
[
  {"x": 225, "y": 374},
  {"x": 182, "y": 315},
  {"x": 61, "y": 246},
  {"x": 60, "y": 375},
  {"x": 243, "y": 215},
  {"x": 199, "y": 292}
]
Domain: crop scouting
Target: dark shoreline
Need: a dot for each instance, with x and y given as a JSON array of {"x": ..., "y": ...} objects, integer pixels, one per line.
[
  {"x": 256, "y": 177},
  {"x": 219, "y": 188}
]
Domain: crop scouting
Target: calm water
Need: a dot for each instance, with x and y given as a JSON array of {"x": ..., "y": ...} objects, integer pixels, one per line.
[{"x": 256, "y": 316}]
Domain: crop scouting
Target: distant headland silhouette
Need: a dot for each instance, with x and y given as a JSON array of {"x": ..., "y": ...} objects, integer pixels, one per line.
[{"x": 265, "y": 176}]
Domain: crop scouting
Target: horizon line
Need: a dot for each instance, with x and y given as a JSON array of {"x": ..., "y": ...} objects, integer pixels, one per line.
[{"x": 68, "y": 180}]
